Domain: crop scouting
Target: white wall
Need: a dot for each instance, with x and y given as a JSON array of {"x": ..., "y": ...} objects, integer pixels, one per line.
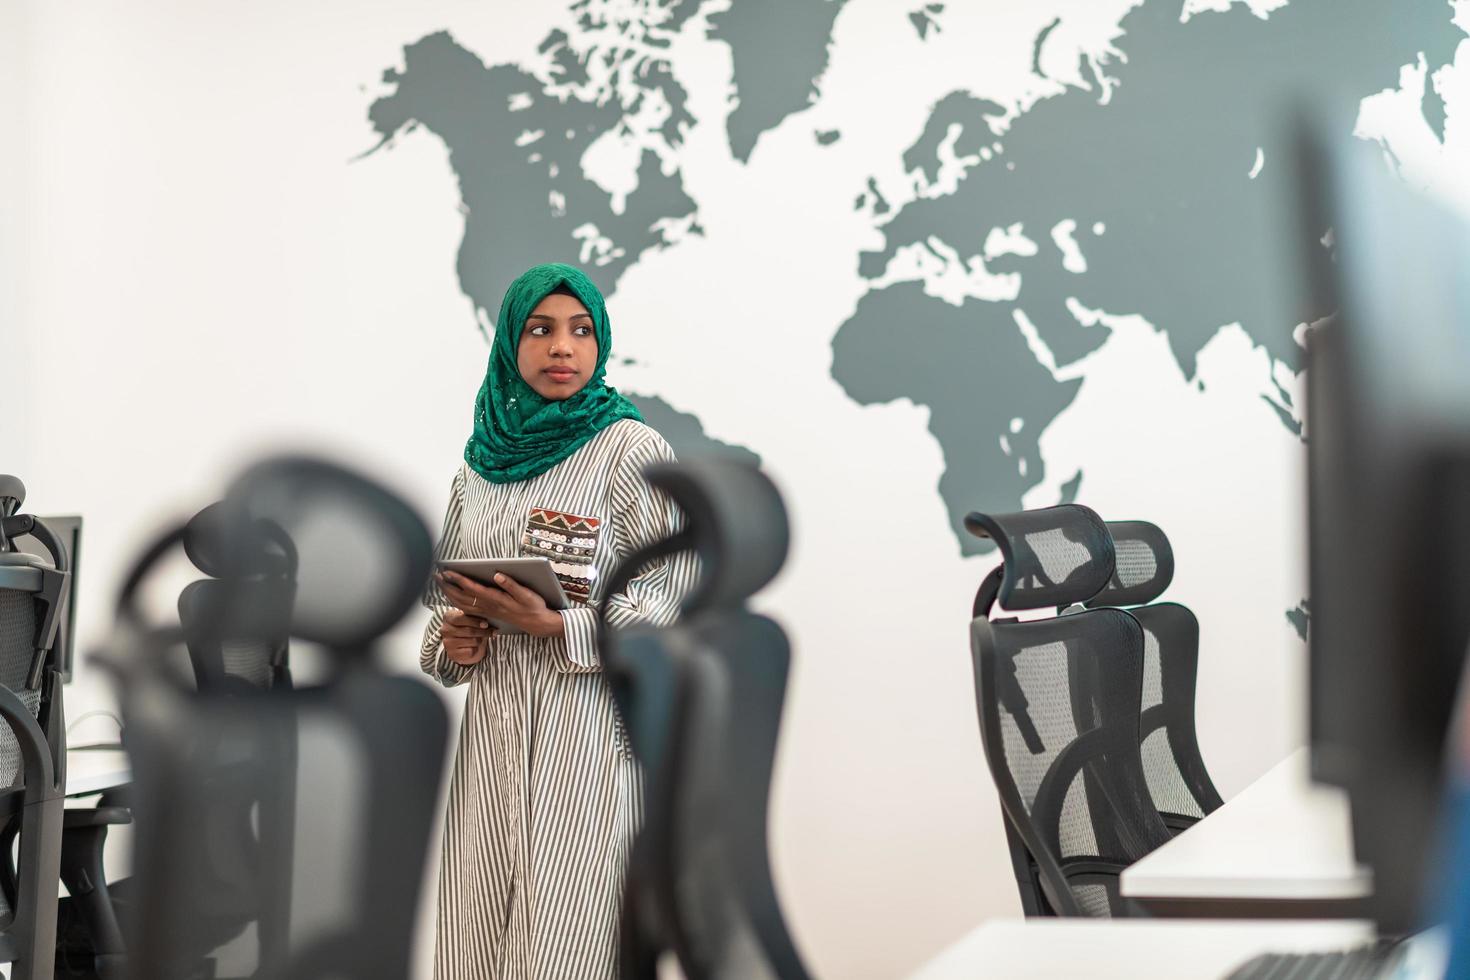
[{"x": 196, "y": 269}]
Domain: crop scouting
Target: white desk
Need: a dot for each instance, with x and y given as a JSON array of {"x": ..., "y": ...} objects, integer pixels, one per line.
[
  {"x": 1129, "y": 949},
  {"x": 1282, "y": 846},
  {"x": 91, "y": 771}
]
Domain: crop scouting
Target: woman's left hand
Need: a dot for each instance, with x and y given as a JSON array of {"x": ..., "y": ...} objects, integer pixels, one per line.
[{"x": 507, "y": 601}]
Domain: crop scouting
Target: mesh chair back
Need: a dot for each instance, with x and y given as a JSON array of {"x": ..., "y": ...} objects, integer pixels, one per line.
[
  {"x": 32, "y": 590},
  {"x": 339, "y": 787},
  {"x": 1144, "y": 566},
  {"x": 17, "y": 646},
  {"x": 248, "y": 654},
  {"x": 737, "y": 687},
  {"x": 1177, "y": 778},
  {"x": 1050, "y": 557},
  {"x": 1059, "y": 708},
  {"x": 32, "y": 737},
  {"x": 703, "y": 700},
  {"x": 704, "y": 704},
  {"x": 1181, "y": 786},
  {"x": 284, "y": 833},
  {"x": 17, "y": 638}
]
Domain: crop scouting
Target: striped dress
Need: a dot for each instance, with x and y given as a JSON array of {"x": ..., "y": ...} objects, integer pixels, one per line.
[{"x": 545, "y": 798}]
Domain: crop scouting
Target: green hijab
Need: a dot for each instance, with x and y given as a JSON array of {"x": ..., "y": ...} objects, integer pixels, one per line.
[{"x": 518, "y": 434}]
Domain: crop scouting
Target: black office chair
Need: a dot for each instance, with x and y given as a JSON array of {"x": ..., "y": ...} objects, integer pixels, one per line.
[
  {"x": 1058, "y": 701},
  {"x": 1180, "y": 784},
  {"x": 32, "y": 740},
  {"x": 253, "y": 653},
  {"x": 340, "y": 779},
  {"x": 239, "y": 658},
  {"x": 702, "y": 703}
]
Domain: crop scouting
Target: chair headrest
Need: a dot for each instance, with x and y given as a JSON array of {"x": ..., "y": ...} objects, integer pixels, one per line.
[
  {"x": 1054, "y": 556},
  {"x": 208, "y": 538},
  {"x": 738, "y": 523},
  {"x": 362, "y": 554},
  {"x": 1144, "y": 566},
  {"x": 12, "y": 494}
]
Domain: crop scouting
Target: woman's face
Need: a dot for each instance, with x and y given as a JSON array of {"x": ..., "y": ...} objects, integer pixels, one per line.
[{"x": 558, "y": 351}]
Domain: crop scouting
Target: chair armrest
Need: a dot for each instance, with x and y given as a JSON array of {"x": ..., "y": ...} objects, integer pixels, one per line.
[
  {"x": 100, "y": 816},
  {"x": 1092, "y": 867}
]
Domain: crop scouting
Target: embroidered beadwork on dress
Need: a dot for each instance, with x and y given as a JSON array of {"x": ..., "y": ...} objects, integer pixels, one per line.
[{"x": 570, "y": 542}]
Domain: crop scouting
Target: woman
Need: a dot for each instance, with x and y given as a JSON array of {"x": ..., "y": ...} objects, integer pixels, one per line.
[{"x": 544, "y": 799}]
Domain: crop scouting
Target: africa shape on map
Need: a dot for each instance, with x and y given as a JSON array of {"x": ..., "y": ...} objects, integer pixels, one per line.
[{"x": 1137, "y": 193}]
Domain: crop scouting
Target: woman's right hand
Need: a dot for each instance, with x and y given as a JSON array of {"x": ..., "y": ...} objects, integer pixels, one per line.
[{"x": 466, "y": 638}]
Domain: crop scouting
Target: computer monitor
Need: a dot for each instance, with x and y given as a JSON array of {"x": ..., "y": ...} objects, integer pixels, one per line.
[
  {"x": 1388, "y": 437},
  {"x": 69, "y": 530}
]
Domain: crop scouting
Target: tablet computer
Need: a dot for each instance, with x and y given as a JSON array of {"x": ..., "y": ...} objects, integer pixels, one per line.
[{"x": 535, "y": 574}]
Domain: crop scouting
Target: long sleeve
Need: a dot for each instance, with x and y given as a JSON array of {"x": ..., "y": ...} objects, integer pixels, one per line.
[
  {"x": 431, "y": 652},
  {"x": 641, "y": 516}
]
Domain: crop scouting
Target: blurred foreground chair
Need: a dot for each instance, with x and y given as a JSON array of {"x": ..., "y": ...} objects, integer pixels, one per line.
[
  {"x": 1178, "y": 781},
  {"x": 702, "y": 703},
  {"x": 282, "y": 830},
  {"x": 243, "y": 654},
  {"x": 32, "y": 751},
  {"x": 1058, "y": 700}
]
